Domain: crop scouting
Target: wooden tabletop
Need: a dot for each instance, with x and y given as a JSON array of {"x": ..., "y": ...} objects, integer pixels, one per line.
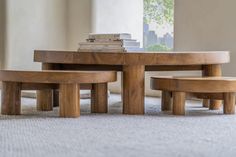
[{"x": 133, "y": 58}]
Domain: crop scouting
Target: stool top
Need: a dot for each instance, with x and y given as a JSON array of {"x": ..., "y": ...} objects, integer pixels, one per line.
[
  {"x": 194, "y": 84},
  {"x": 57, "y": 76}
]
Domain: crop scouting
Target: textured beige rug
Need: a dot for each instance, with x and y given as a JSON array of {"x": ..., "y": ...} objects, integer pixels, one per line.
[{"x": 200, "y": 133}]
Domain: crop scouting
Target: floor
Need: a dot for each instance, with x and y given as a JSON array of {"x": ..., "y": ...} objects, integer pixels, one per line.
[{"x": 200, "y": 133}]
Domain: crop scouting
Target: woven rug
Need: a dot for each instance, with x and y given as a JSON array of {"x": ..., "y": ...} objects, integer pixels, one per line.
[{"x": 199, "y": 133}]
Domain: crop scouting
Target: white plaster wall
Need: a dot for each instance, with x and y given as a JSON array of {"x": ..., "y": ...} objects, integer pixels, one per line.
[
  {"x": 118, "y": 16},
  {"x": 103, "y": 16},
  {"x": 33, "y": 24},
  {"x": 206, "y": 25},
  {"x": 2, "y": 32},
  {"x": 79, "y": 22}
]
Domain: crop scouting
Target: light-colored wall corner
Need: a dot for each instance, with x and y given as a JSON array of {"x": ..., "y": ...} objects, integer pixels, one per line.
[
  {"x": 79, "y": 22},
  {"x": 112, "y": 16},
  {"x": 2, "y": 31},
  {"x": 33, "y": 24},
  {"x": 206, "y": 25}
]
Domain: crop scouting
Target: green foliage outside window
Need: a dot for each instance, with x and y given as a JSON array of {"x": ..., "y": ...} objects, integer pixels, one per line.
[
  {"x": 159, "y": 47},
  {"x": 159, "y": 11}
]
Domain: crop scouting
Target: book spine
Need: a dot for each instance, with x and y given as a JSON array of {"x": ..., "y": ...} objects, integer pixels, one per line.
[
  {"x": 101, "y": 50},
  {"x": 130, "y": 43},
  {"x": 134, "y": 49},
  {"x": 117, "y": 42},
  {"x": 109, "y": 36},
  {"x": 110, "y": 40},
  {"x": 101, "y": 43},
  {"x": 100, "y": 46}
]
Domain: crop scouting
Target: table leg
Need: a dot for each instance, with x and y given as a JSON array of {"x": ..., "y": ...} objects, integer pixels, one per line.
[
  {"x": 212, "y": 70},
  {"x": 55, "y": 98},
  {"x": 45, "y": 99},
  {"x": 133, "y": 89}
]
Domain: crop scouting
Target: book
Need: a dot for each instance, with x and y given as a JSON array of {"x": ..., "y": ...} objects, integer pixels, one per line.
[
  {"x": 110, "y": 40},
  {"x": 134, "y": 49},
  {"x": 101, "y": 50},
  {"x": 131, "y": 43},
  {"x": 123, "y": 49},
  {"x": 100, "y": 46},
  {"x": 110, "y": 43},
  {"x": 123, "y": 43},
  {"x": 110, "y": 36}
]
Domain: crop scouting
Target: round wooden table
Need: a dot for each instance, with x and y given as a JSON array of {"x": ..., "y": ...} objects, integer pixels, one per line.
[{"x": 133, "y": 66}]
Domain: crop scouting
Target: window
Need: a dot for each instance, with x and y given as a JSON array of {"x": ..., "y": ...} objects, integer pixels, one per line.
[{"x": 158, "y": 25}]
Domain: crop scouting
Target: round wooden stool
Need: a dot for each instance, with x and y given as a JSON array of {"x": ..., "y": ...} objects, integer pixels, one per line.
[
  {"x": 222, "y": 88},
  {"x": 68, "y": 83}
]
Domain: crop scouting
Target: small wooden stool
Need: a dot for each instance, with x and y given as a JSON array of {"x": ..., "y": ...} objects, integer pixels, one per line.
[
  {"x": 222, "y": 88},
  {"x": 68, "y": 83}
]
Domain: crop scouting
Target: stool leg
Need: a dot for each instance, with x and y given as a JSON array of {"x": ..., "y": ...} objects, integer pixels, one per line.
[
  {"x": 229, "y": 103},
  {"x": 215, "y": 104},
  {"x": 45, "y": 100},
  {"x": 55, "y": 97},
  {"x": 99, "y": 97},
  {"x": 179, "y": 103},
  {"x": 206, "y": 103},
  {"x": 11, "y": 98},
  {"x": 166, "y": 101},
  {"x": 69, "y": 100},
  {"x": 213, "y": 70}
]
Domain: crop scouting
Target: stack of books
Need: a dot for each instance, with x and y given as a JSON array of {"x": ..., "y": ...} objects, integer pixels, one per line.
[{"x": 109, "y": 43}]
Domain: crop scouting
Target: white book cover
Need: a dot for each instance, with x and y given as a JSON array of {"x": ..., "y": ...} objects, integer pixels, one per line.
[
  {"x": 101, "y": 50},
  {"x": 110, "y": 40},
  {"x": 116, "y": 36},
  {"x": 96, "y": 46},
  {"x": 122, "y": 43}
]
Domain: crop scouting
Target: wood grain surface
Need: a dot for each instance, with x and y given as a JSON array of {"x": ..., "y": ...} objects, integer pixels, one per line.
[
  {"x": 195, "y": 84},
  {"x": 54, "y": 76},
  {"x": 11, "y": 98},
  {"x": 133, "y": 58}
]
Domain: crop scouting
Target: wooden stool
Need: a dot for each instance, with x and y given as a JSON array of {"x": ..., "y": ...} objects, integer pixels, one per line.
[
  {"x": 219, "y": 88},
  {"x": 68, "y": 83}
]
